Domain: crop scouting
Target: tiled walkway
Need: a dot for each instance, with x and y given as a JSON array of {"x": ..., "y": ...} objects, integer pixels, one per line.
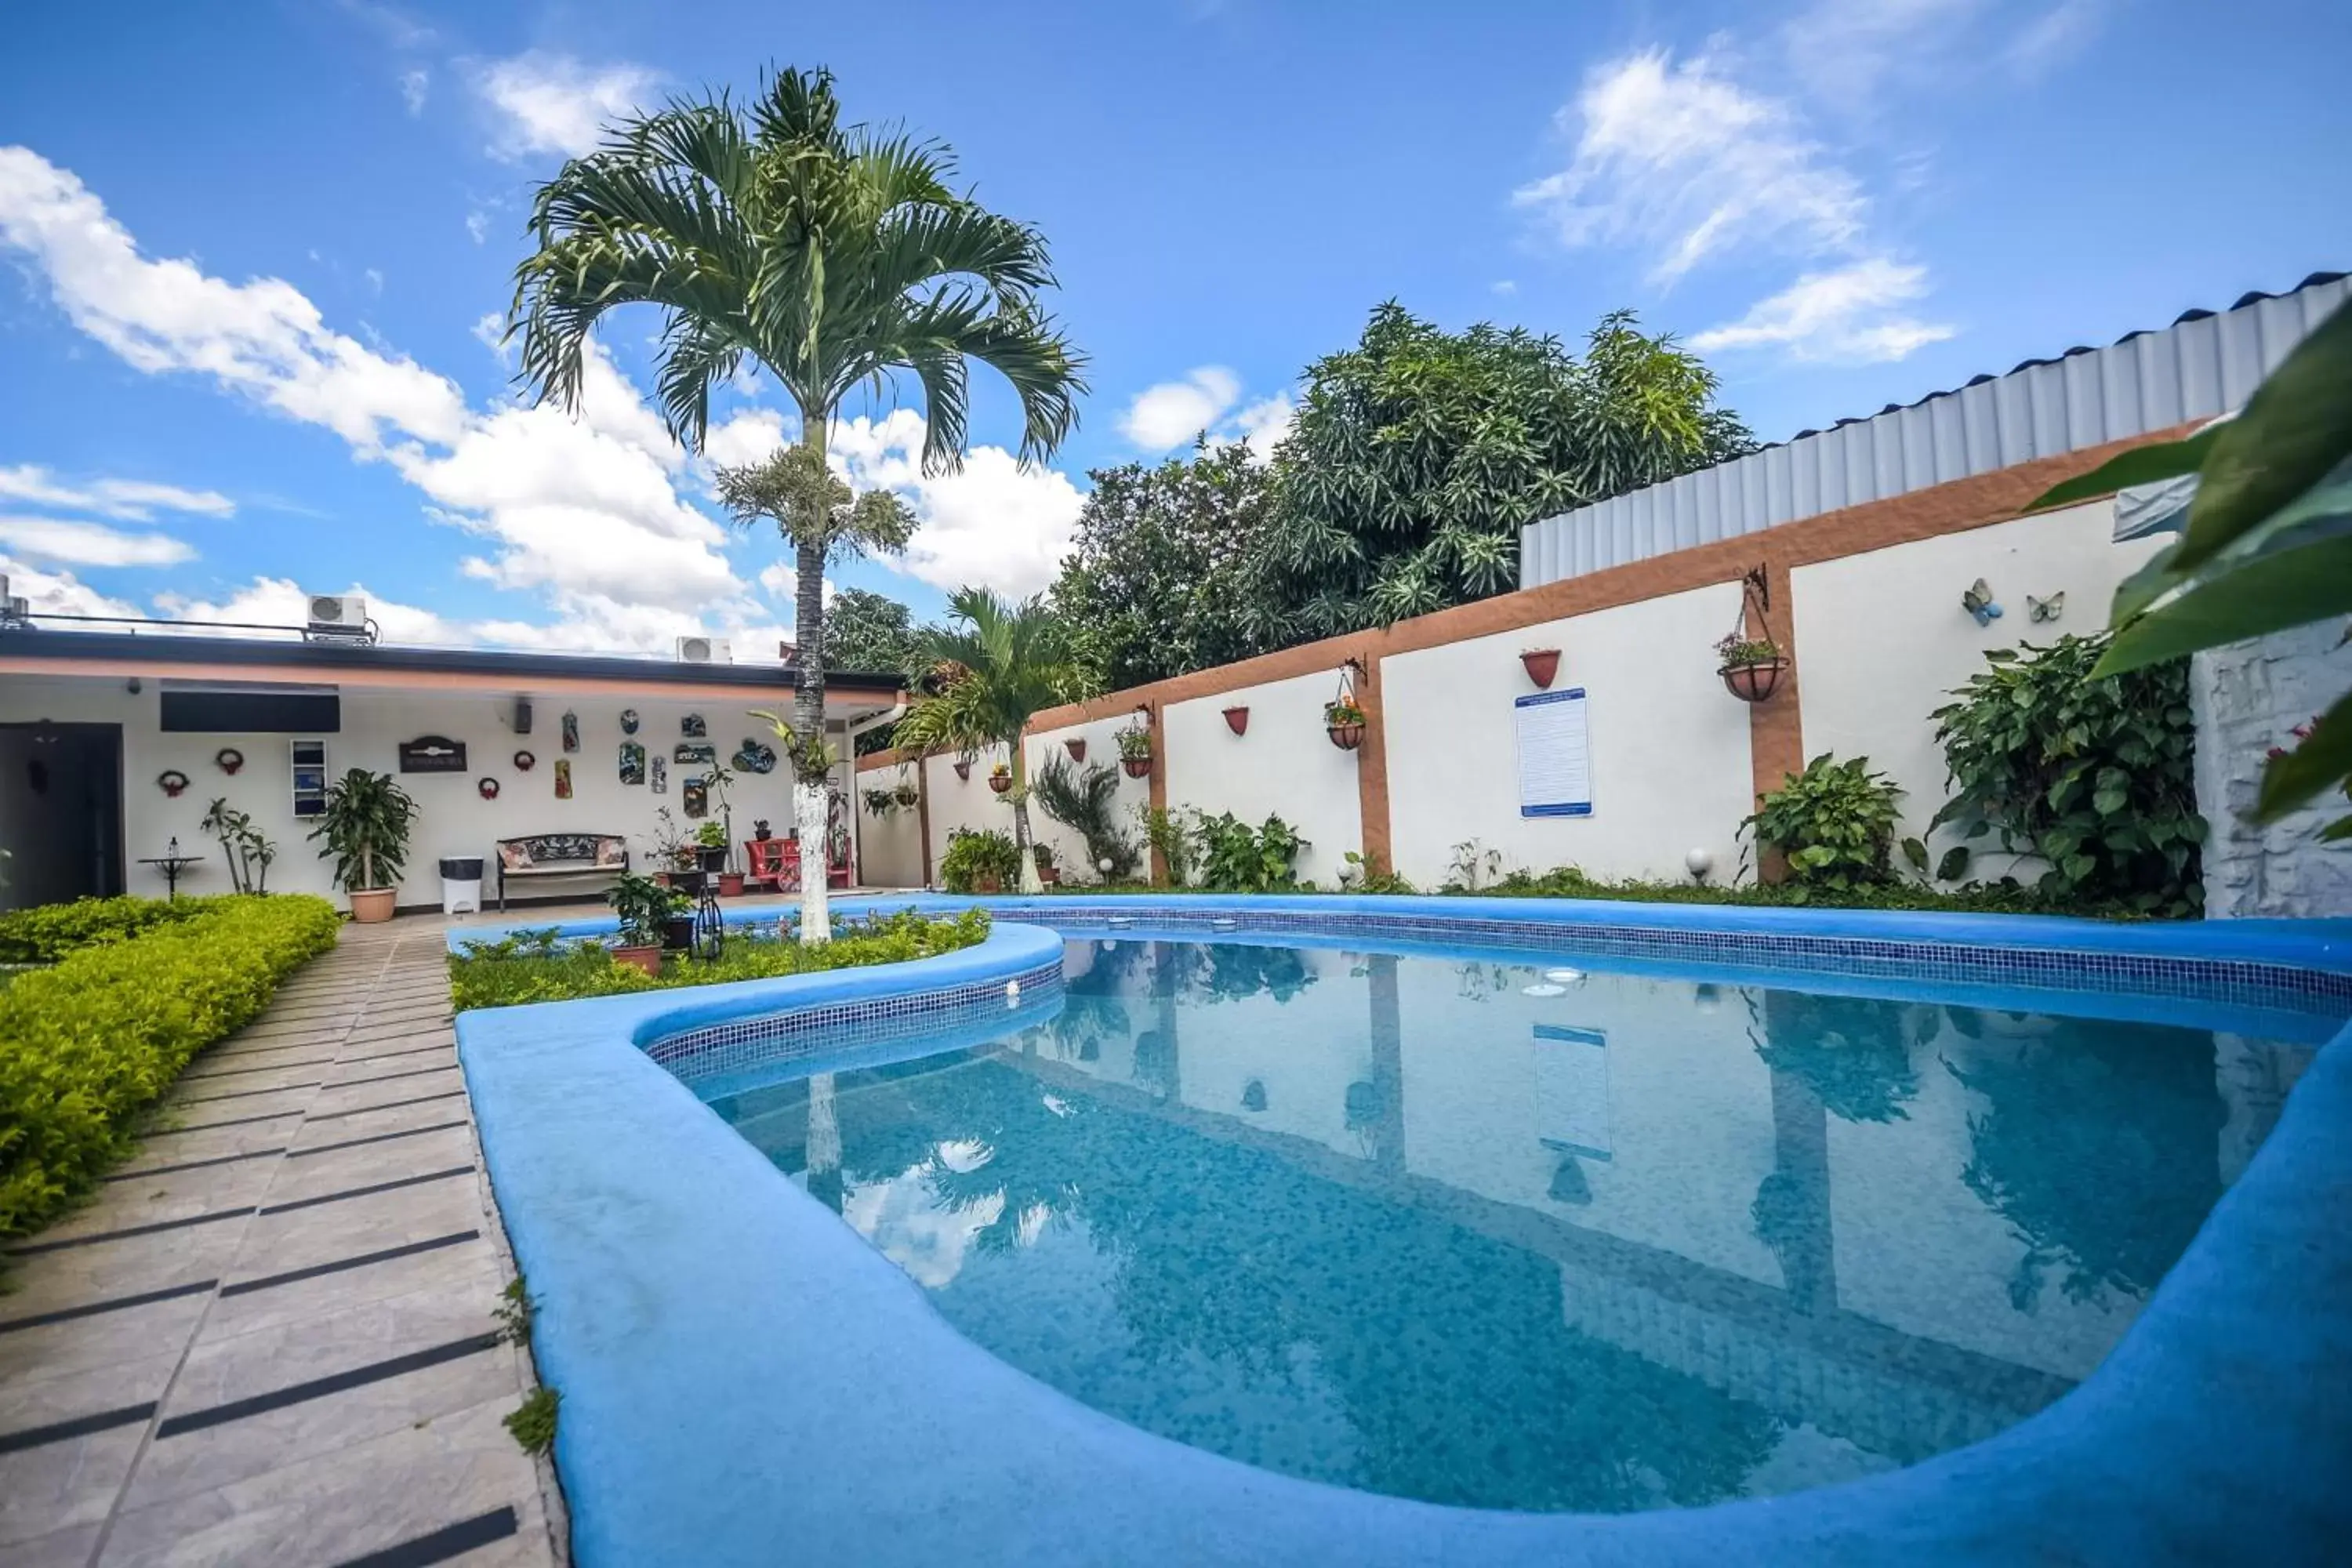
[{"x": 272, "y": 1340}]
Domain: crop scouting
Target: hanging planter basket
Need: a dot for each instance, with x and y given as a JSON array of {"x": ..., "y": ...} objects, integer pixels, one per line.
[
  {"x": 1542, "y": 665},
  {"x": 1346, "y": 737},
  {"x": 1137, "y": 767},
  {"x": 1237, "y": 721},
  {"x": 1754, "y": 682},
  {"x": 1001, "y": 783},
  {"x": 963, "y": 769},
  {"x": 228, "y": 758},
  {"x": 1077, "y": 750}
]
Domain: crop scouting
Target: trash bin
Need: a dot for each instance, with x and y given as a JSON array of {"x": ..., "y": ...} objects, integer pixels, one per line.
[{"x": 461, "y": 885}]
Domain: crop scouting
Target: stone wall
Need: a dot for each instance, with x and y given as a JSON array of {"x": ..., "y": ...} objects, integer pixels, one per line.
[{"x": 2248, "y": 697}]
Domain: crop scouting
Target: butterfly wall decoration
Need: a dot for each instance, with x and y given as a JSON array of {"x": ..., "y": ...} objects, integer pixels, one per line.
[
  {"x": 1979, "y": 602},
  {"x": 2048, "y": 609}
]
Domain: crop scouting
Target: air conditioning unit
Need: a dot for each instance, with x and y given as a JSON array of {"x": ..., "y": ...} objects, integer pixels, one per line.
[
  {"x": 705, "y": 651},
  {"x": 337, "y": 616},
  {"x": 14, "y": 610}
]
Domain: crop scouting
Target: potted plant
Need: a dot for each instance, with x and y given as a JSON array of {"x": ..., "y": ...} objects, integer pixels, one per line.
[
  {"x": 645, "y": 908},
  {"x": 1048, "y": 873},
  {"x": 366, "y": 824},
  {"x": 907, "y": 792},
  {"x": 1542, "y": 665},
  {"x": 1000, "y": 778},
  {"x": 881, "y": 803},
  {"x": 710, "y": 847},
  {"x": 1344, "y": 721},
  {"x": 1135, "y": 751},
  {"x": 1751, "y": 666},
  {"x": 672, "y": 847}
]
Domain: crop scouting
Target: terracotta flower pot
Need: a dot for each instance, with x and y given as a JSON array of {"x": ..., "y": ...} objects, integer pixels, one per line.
[
  {"x": 1077, "y": 750},
  {"x": 1237, "y": 721},
  {"x": 990, "y": 884},
  {"x": 1346, "y": 737},
  {"x": 1753, "y": 682},
  {"x": 1001, "y": 783},
  {"x": 646, "y": 960},
  {"x": 1137, "y": 767},
  {"x": 373, "y": 906},
  {"x": 730, "y": 884},
  {"x": 661, "y": 878},
  {"x": 1542, "y": 665}
]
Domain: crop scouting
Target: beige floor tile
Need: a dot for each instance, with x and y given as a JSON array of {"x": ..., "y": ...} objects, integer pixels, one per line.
[
  {"x": 334, "y": 1100},
  {"x": 62, "y": 1548},
  {"x": 361, "y": 1499},
  {"x": 57, "y": 1485},
  {"x": 279, "y": 1244},
  {"x": 398, "y": 1113},
  {"x": 98, "y": 1340},
  {"x": 340, "y": 1170},
  {"x": 471, "y": 1267}
]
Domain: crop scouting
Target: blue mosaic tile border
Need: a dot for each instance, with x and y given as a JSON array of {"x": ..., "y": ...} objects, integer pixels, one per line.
[
  {"x": 2218, "y": 980},
  {"x": 846, "y": 1029}
]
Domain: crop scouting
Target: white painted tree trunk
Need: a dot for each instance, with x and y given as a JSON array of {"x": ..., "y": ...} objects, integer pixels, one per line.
[{"x": 809, "y": 813}]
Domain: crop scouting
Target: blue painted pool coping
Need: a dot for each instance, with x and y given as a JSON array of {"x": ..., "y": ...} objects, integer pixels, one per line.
[{"x": 746, "y": 1381}]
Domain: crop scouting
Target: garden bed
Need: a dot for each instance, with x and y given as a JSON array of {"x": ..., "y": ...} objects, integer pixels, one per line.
[
  {"x": 134, "y": 988},
  {"x": 537, "y": 965}
]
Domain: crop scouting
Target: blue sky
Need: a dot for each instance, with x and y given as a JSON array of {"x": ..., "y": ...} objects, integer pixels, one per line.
[{"x": 251, "y": 250}]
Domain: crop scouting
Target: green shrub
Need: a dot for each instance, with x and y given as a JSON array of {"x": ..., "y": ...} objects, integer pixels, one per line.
[
  {"x": 48, "y": 933},
  {"x": 2092, "y": 775},
  {"x": 973, "y": 857},
  {"x": 2003, "y": 897},
  {"x": 507, "y": 974},
  {"x": 1238, "y": 858},
  {"x": 1833, "y": 824},
  {"x": 88, "y": 1044}
]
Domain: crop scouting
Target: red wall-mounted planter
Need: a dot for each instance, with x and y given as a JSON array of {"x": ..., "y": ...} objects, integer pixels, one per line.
[
  {"x": 1542, "y": 666},
  {"x": 1077, "y": 750},
  {"x": 963, "y": 770},
  {"x": 1237, "y": 721}
]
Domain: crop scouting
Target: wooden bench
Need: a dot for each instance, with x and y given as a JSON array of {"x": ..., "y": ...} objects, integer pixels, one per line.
[{"x": 600, "y": 855}]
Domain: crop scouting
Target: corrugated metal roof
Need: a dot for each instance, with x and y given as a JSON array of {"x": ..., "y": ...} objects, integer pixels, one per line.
[{"x": 2204, "y": 365}]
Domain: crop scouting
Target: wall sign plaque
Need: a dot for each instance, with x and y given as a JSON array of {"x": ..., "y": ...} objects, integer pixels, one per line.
[
  {"x": 694, "y": 752},
  {"x": 433, "y": 755},
  {"x": 633, "y": 762}
]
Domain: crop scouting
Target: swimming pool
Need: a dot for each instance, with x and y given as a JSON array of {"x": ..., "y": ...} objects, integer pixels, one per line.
[
  {"x": 1092, "y": 1251},
  {"x": 1490, "y": 1231}
]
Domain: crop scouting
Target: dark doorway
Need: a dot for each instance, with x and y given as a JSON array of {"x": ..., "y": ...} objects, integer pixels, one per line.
[{"x": 61, "y": 813}]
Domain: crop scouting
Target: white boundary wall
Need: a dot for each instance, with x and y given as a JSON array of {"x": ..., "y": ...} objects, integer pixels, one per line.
[{"x": 1284, "y": 765}]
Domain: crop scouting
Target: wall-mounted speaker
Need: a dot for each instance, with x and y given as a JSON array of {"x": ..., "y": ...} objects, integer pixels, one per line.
[{"x": 522, "y": 716}]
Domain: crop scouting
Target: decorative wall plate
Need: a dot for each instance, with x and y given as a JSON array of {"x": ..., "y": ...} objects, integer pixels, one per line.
[
  {"x": 633, "y": 762},
  {"x": 696, "y": 791},
  {"x": 693, "y": 752},
  {"x": 692, "y": 727},
  {"x": 563, "y": 778},
  {"x": 628, "y": 721},
  {"x": 755, "y": 756},
  {"x": 486, "y": 788},
  {"x": 228, "y": 758},
  {"x": 572, "y": 732},
  {"x": 524, "y": 761},
  {"x": 657, "y": 772}
]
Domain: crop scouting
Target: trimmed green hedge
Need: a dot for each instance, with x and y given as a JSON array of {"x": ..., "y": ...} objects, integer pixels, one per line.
[
  {"x": 88, "y": 1044},
  {"x": 529, "y": 967},
  {"x": 46, "y": 934}
]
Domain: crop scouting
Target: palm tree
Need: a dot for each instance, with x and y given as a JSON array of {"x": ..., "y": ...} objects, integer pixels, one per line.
[
  {"x": 995, "y": 664},
  {"x": 833, "y": 257}
]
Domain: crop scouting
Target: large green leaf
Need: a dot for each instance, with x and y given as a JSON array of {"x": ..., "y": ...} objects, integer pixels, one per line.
[
  {"x": 2140, "y": 465},
  {"x": 2268, "y": 593},
  {"x": 2295, "y": 427},
  {"x": 2325, "y": 758}
]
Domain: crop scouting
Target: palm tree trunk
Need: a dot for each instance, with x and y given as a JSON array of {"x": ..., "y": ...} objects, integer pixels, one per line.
[
  {"x": 809, "y": 795},
  {"x": 1030, "y": 881}
]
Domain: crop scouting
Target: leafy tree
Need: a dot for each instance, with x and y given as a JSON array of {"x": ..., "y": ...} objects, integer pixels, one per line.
[
  {"x": 1420, "y": 454},
  {"x": 1157, "y": 584},
  {"x": 870, "y": 633},
  {"x": 993, "y": 665},
  {"x": 833, "y": 257}
]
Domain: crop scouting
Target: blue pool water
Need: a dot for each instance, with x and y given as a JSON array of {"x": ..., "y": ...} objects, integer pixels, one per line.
[{"x": 1488, "y": 1231}]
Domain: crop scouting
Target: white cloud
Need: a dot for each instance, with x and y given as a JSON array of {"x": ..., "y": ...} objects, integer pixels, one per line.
[
  {"x": 79, "y": 543},
  {"x": 1847, "y": 315},
  {"x": 127, "y": 500},
  {"x": 1845, "y": 53},
  {"x": 414, "y": 86},
  {"x": 747, "y": 436},
  {"x": 1681, "y": 160},
  {"x": 50, "y": 592},
  {"x": 263, "y": 338},
  {"x": 554, "y": 103},
  {"x": 992, "y": 522},
  {"x": 1165, "y": 416},
  {"x": 281, "y": 602},
  {"x": 1265, "y": 423},
  {"x": 478, "y": 225},
  {"x": 2051, "y": 38},
  {"x": 1506, "y": 287},
  {"x": 490, "y": 330}
]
